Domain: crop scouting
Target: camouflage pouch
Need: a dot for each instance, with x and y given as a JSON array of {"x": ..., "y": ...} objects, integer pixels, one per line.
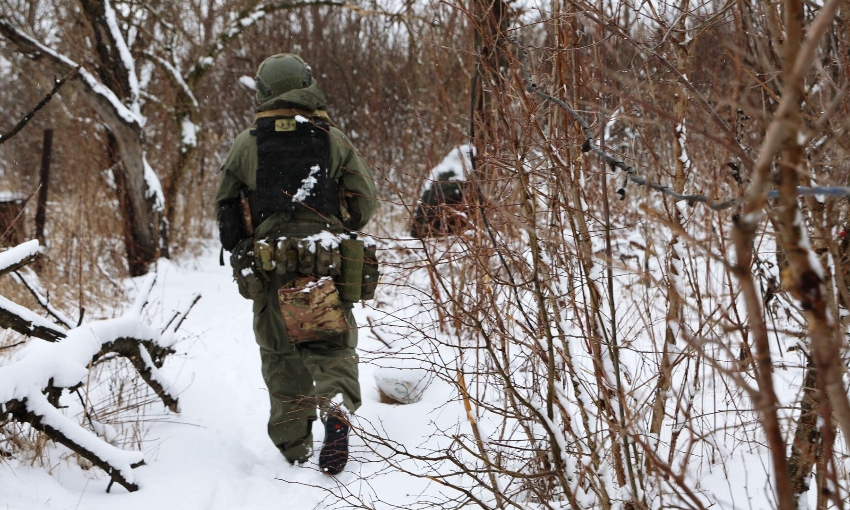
[
  {"x": 242, "y": 259},
  {"x": 311, "y": 309},
  {"x": 370, "y": 272}
]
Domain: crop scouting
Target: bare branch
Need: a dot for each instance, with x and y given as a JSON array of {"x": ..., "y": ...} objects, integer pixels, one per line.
[{"x": 41, "y": 104}]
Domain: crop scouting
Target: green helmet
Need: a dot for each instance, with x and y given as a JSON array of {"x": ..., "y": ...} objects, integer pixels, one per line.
[{"x": 280, "y": 74}]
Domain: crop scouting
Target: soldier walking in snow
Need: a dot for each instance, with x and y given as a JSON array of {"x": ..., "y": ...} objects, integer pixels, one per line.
[{"x": 292, "y": 190}]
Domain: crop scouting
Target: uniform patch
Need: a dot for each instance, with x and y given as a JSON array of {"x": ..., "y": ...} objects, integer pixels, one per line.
[{"x": 284, "y": 124}]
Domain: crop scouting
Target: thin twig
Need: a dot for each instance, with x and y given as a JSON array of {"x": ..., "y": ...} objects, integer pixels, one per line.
[
  {"x": 41, "y": 104},
  {"x": 632, "y": 175}
]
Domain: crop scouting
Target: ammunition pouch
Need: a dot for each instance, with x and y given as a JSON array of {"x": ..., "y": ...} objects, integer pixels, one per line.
[
  {"x": 351, "y": 264},
  {"x": 231, "y": 228},
  {"x": 251, "y": 281},
  {"x": 350, "y": 282}
]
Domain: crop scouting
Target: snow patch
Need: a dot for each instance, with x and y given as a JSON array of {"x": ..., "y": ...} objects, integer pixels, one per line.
[
  {"x": 126, "y": 59},
  {"x": 248, "y": 82},
  {"x": 327, "y": 240},
  {"x": 307, "y": 185},
  {"x": 190, "y": 134},
  {"x": 453, "y": 167},
  {"x": 19, "y": 253},
  {"x": 154, "y": 186}
]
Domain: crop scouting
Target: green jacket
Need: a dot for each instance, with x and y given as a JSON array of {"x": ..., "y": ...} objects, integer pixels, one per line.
[{"x": 356, "y": 179}]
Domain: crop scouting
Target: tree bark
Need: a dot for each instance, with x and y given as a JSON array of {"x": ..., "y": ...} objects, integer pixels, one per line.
[{"x": 140, "y": 216}]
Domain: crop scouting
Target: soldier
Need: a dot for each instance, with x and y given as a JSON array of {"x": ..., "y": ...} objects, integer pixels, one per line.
[{"x": 301, "y": 177}]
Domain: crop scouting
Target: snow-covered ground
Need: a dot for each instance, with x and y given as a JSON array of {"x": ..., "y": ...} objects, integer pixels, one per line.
[{"x": 215, "y": 454}]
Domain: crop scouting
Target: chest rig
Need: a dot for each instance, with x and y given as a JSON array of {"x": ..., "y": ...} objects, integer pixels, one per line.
[{"x": 293, "y": 160}]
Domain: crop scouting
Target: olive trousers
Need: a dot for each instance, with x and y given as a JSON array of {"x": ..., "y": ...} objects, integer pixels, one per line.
[{"x": 303, "y": 377}]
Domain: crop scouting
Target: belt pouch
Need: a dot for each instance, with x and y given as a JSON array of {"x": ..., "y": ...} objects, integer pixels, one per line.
[{"x": 351, "y": 273}]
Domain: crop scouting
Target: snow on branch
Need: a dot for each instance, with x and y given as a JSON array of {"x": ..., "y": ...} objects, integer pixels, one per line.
[
  {"x": 16, "y": 317},
  {"x": 34, "y": 50},
  {"x": 45, "y": 367},
  {"x": 26, "y": 322},
  {"x": 15, "y": 258},
  {"x": 31, "y": 385},
  {"x": 175, "y": 76},
  {"x": 126, "y": 58}
]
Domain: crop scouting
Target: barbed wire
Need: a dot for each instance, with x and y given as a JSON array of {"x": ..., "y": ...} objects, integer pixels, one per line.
[{"x": 631, "y": 174}]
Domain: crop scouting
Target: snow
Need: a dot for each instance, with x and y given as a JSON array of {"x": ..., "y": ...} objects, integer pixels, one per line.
[
  {"x": 19, "y": 253},
  {"x": 253, "y": 17},
  {"x": 11, "y": 196},
  {"x": 216, "y": 454},
  {"x": 328, "y": 240},
  {"x": 154, "y": 186},
  {"x": 452, "y": 167},
  {"x": 248, "y": 82},
  {"x": 129, "y": 116},
  {"x": 189, "y": 133},
  {"x": 65, "y": 362},
  {"x": 37, "y": 403},
  {"x": 126, "y": 58},
  {"x": 307, "y": 185},
  {"x": 33, "y": 318}
]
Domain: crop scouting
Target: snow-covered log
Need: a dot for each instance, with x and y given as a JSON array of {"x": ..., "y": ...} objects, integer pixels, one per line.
[
  {"x": 16, "y": 317},
  {"x": 30, "y": 387},
  {"x": 26, "y": 322},
  {"x": 19, "y": 256}
]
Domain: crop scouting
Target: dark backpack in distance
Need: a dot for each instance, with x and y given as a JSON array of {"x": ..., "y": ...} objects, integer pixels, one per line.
[{"x": 442, "y": 209}]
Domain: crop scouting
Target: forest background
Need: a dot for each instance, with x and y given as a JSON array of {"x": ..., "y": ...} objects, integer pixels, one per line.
[{"x": 635, "y": 284}]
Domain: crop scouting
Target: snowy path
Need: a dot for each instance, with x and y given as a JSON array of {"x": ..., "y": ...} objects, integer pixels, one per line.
[{"x": 215, "y": 454}]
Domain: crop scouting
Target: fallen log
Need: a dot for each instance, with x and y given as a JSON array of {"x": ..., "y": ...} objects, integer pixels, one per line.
[{"x": 30, "y": 388}]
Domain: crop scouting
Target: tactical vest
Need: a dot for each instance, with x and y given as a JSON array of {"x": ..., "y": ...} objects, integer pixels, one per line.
[{"x": 293, "y": 168}]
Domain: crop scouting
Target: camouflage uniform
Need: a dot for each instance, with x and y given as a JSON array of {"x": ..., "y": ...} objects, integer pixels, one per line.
[{"x": 290, "y": 371}]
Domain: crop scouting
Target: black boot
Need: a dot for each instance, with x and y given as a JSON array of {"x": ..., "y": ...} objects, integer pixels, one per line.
[{"x": 334, "y": 454}]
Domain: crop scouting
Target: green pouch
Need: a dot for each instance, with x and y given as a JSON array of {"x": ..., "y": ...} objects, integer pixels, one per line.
[
  {"x": 351, "y": 273},
  {"x": 370, "y": 272},
  {"x": 336, "y": 262},
  {"x": 242, "y": 260}
]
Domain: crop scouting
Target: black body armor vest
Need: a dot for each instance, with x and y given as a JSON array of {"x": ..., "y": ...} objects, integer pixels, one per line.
[{"x": 293, "y": 160}]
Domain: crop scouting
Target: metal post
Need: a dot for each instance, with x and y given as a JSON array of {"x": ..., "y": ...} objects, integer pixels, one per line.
[{"x": 41, "y": 206}]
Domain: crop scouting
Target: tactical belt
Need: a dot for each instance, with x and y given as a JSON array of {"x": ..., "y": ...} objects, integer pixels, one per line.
[
  {"x": 302, "y": 255},
  {"x": 292, "y": 112}
]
